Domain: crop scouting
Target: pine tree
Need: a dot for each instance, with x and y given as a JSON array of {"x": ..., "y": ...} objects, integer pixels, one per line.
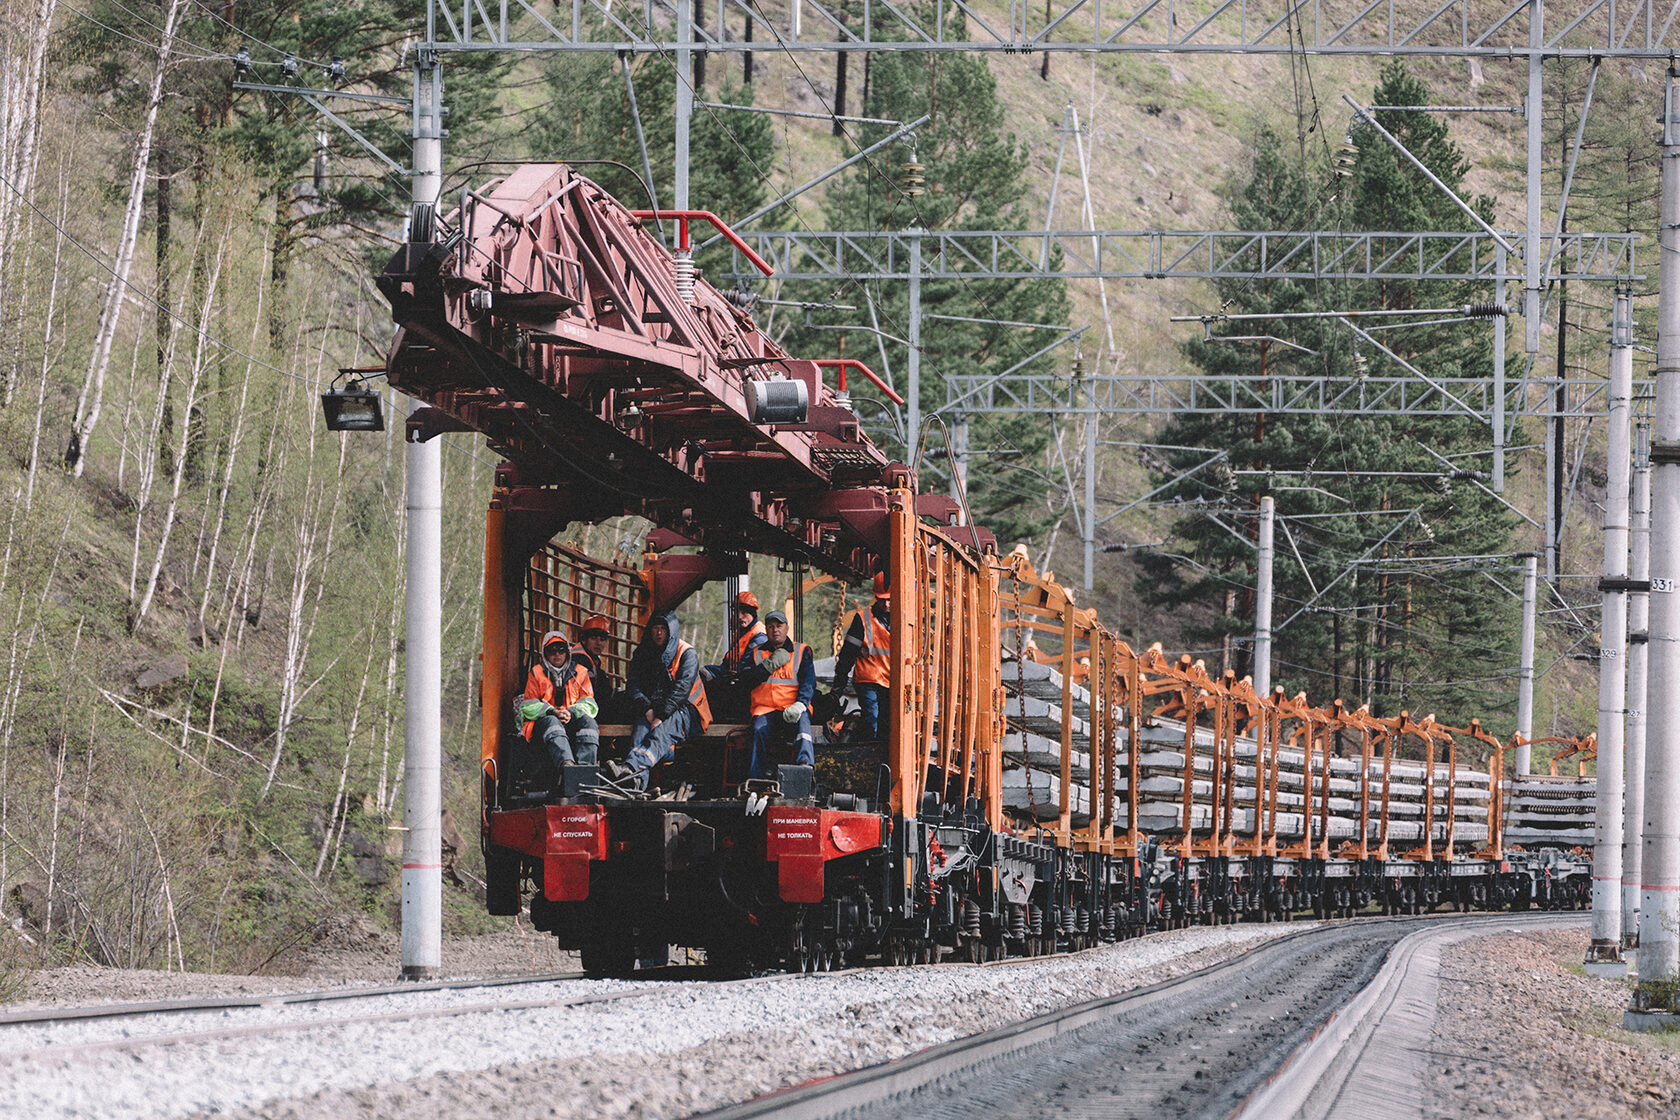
[
  {"x": 1377, "y": 618},
  {"x": 959, "y": 171}
]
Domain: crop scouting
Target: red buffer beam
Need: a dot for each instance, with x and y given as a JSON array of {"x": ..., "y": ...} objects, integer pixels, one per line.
[{"x": 613, "y": 378}]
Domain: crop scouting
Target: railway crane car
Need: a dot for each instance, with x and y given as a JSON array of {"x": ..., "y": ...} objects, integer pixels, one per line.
[{"x": 1039, "y": 786}]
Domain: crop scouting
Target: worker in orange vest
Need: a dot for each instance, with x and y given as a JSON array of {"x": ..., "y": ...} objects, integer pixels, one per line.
[
  {"x": 783, "y": 680},
  {"x": 866, "y": 658},
  {"x": 558, "y": 707},
  {"x": 723, "y": 682},
  {"x": 664, "y": 690}
]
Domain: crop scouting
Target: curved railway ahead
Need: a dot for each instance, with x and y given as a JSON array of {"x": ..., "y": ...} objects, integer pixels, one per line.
[
  {"x": 1324, "y": 1022},
  {"x": 672, "y": 1048}
]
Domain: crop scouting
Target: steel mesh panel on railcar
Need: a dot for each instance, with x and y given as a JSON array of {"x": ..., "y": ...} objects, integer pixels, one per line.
[{"x": 564, "y": 586}]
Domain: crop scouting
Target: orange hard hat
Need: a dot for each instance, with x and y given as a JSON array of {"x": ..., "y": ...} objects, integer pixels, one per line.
[
  {"x": 597, "y": 622},
  {"x": 746, "y": 600},
  {"x": 881, "y": 591}
]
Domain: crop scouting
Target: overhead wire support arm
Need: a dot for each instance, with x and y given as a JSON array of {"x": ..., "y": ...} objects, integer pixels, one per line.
[
  {"x": 355, "y": 135},
  {"x": 1446, "y": 108},
  {"x": 897, "y": 134},
  {"x": 798, "y": 113},
  {"x": 1365, "y": 116},
  {"x": 1217, "y": 458},
  {"x": 313, "y": 96},
  {"x": 1366, "y": 555},
  {"x": 380, "y": 98},
  {"x": 1430, "y": 381}
]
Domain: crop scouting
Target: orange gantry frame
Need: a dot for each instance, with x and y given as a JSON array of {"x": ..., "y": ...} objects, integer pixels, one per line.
[
  {"x": 947, "y": 721},
  {"x": 1239, "y": 812},
  {"x": 964, "y": 617}
]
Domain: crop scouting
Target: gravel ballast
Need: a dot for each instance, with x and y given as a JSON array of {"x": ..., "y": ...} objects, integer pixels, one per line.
[
  {"x": 1519, "y": 1032},
  {"x": 684, "y": 1047}
]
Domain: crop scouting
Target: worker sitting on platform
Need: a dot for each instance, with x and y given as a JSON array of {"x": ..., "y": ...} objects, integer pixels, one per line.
[
  {"x": 866, "y": 658},
  {"x": 664, "y": 690},
  {"x": 591, "y": 653},
  {"x": 723, "y": 682},
  {"x": 558, "y": 706},
  {"x": 783, "y": 681}
]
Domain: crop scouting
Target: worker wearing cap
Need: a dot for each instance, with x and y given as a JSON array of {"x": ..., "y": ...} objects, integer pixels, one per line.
[
  {"x": 866, "y": 658},
  {"x": 723, "y": 682},
  {"x": 783, "y": 681},
  {"x": 591, "y": 653},
  {"x": 558, "y": 706}
]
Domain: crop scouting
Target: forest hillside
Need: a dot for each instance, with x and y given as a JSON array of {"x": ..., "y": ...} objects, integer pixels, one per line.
[{"x": 201, "y": 588}]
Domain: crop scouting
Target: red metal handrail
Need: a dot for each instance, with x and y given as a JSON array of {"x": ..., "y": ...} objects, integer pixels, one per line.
[
  {"x": 843, "y": 364},
  {"x": 683, "y": 217}
]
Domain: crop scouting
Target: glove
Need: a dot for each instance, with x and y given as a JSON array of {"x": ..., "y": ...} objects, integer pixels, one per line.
[
  {"x": 778, "y": 659},
  {"x": 793, "y": 711},
  {"x": 531, "y": 709}
]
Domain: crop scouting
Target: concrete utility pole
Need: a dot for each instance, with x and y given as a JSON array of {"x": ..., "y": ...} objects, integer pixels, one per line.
[
  {"x": 1639, "y": 572},
  {"x": 1604, "y": 954},
  {"x": 1659, "y": 902},
  {"x": 684, "y": 107},
  {"x": 1263, "y": 600},
  {"x": 422, "y": 869},
  {"x": 913, "y": 397},
  {"x": 1525, "y": 669},
  {"x": 1088, "y": 525},
  {"x": 959, "y": 456}
]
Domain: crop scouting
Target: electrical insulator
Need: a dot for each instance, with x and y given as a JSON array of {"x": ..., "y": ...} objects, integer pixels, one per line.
[
  {"x": 321, "y": 149},
  {"x": 289, "y": 66},
  {"x": 1485, "y": 311},
  {"x": 242, "y": 61},
  {"x": 335, "y": 71},
  {"x": 1078, "y": 366},
  {"x": 915, "y": 179},
  {"x": 1346, "y": 157}
]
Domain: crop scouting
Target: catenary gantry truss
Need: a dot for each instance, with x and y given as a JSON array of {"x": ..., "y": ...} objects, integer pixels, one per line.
[
  {"x": 1387, "y": 395},
  {"x": 1456, "y": 28},
  {"x": 1178, "y": 254}
]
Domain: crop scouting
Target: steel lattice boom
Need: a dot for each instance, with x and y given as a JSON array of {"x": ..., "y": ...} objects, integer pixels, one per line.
[{"x": 613, "y": 380}]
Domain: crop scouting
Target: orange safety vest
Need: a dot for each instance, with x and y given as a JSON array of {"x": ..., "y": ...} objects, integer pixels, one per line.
[
  {"x": 782, "y": 688},
  {"x": 538, "y": 686},
  {"x": 697, "y": 694},
  {"x": 874, "y": 661},
  {"x": 743, "y": 645}
]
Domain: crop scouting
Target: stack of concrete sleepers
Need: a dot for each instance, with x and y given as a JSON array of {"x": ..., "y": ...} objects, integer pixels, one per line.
[
  {"x": 1546, "y": 812},
  {"x": 1032, "y": 748},
  {"x": 1033, "y": 758},
  {"x": 1161, "y": 792}
]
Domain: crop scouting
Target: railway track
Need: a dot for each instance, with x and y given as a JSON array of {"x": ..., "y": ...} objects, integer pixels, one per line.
[
  {"x": 65, "y": 1032},
  {"x": 1243, "y": 1038}
]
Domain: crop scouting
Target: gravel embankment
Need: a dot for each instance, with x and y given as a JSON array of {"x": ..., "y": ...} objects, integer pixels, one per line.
[
  {"x": 356, "y": 955},
  {"x": 687, "y": 1047},
  {"x": 1520, "y": 1033}
]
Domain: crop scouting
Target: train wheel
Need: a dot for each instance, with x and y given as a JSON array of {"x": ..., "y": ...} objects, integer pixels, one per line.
[{"x": 609, "y": 956}]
